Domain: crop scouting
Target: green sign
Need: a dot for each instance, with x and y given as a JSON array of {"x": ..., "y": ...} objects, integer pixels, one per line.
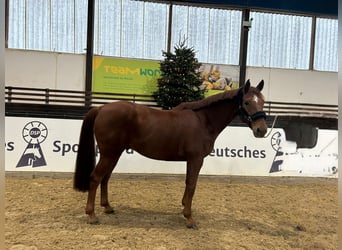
[
  {"x": 125, "y": 76},
  {"x": 139, "y": 77}
]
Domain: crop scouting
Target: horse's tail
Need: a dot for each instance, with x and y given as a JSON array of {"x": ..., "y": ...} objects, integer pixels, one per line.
[{"x": 85, "y": 161}]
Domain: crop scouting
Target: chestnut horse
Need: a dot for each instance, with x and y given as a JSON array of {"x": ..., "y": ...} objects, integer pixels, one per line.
[{"x": 184, "y": 133}]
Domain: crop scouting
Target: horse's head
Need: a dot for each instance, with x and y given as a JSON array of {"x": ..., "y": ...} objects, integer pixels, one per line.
[{"x": 251, "y": 104}]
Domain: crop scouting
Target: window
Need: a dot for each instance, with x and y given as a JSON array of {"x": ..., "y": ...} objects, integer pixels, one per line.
[
  {"x": 326, "y": 46},
  {"x": 213, "y": 33},
  {"x": 131, "y": 29},
  {"x": 281, "y": 41},
  {"x": 156, "y": 18},
  {"x": 37, "y": 25},
  {"x": 48, "y": 25},
  {"x": 107, "y": 28},
  {"x": 17, "y": 24}
]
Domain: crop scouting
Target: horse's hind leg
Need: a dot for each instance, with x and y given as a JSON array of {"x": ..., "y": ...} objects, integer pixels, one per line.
[
  {"x": 101, "y": 173},
  {"x": 108, "y": 209}
]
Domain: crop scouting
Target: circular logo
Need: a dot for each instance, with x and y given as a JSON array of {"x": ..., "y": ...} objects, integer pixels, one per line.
[
  {"x": 34, "y": 132},
  {"x": 275, "y": 141}
]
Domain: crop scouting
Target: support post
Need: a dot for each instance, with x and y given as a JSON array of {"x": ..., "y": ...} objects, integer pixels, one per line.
[
  {"x": 312, "y": 45},
  {"x": 169, "y": 30},
  {"x": 245, "y": 25},
  {"x": 90, "y": 52},
  {"x": 6, "y": 22}
]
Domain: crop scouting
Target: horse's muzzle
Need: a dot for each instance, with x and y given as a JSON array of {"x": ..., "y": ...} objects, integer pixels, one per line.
[{"x": 259, "y": 132}]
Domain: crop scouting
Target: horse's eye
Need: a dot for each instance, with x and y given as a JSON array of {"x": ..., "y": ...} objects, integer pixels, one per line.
[{"x": 246, "y": 103}]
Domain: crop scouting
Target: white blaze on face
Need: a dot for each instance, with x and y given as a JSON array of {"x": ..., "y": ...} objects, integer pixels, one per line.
[{"x": 255, "y": 98}]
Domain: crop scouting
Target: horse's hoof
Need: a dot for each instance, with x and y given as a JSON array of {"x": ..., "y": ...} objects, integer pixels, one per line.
[
  {"x": 109, "y": 210},
  {"x": 192, "y": 226},
  {"x": 93, "y": 221}
]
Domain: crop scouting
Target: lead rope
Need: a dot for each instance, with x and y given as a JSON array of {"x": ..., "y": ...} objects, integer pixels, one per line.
[{"x": 274, "y": 121}]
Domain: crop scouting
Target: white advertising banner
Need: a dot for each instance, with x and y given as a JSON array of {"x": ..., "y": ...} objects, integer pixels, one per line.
[{"x": 50, "y": 145}]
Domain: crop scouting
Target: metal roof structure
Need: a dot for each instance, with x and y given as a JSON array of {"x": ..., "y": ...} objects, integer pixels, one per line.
[{"x": 309, "y": 7}]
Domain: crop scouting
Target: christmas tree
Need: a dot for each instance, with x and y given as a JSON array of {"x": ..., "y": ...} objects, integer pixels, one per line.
[{"x": 180, "y": 79}]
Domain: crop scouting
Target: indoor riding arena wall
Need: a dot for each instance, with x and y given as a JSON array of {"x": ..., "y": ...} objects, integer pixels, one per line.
[{"x": 236, "y": 151}]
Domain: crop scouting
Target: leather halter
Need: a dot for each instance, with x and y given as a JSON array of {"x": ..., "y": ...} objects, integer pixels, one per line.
[{"x": 244, "y": 114}]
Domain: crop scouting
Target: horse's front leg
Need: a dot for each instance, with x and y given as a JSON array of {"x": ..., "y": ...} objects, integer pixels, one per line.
[{"x": 192, "y": 172}]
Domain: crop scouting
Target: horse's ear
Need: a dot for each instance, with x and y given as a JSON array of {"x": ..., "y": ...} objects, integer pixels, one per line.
[
  {"x": 260, "y": 85},
  {"x": 247, "y": 86}
]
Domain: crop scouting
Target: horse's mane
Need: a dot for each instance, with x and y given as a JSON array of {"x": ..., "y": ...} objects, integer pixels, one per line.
[{"x": 196, "y": 105}]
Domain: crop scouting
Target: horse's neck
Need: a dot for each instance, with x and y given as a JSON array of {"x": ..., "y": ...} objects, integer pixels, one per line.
[{"x": 218, "y": 116}]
